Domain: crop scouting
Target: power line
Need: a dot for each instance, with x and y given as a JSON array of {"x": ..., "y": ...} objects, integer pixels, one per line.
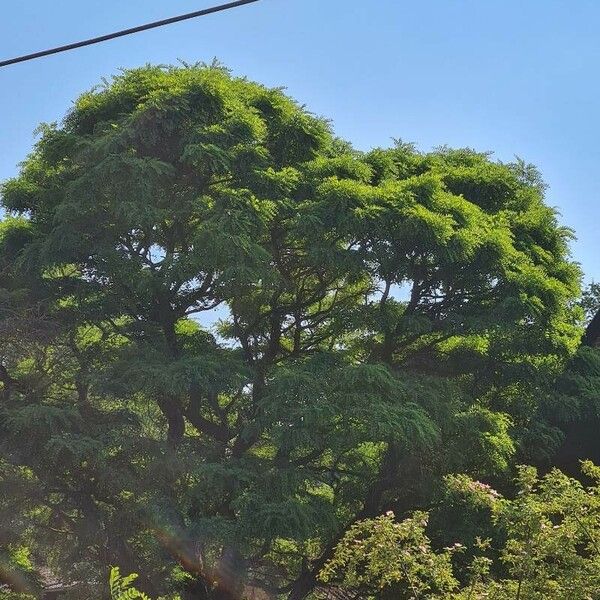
[{"x": 123, "y": 32}]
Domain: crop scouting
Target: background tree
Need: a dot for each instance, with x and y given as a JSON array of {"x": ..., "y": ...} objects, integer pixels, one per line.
[
  {"x": 386, "y": 318},
  {"x": 573, "y": 407}
]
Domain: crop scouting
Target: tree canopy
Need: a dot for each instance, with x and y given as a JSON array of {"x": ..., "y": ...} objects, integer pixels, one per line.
[{"x": 384, "y": 319}]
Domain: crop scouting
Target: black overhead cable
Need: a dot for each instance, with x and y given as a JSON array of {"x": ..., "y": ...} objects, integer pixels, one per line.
[{"x": 123, "y": 32}]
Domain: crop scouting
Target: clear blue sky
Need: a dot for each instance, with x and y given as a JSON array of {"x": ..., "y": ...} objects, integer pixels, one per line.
[{"x": 516, "y": 77}]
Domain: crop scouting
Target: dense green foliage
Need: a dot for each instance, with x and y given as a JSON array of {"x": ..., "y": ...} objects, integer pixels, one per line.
[{"x": 385, "y": 319}]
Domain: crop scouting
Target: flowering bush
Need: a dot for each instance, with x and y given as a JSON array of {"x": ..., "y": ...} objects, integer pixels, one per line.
[{"x": 546, "y": 546}]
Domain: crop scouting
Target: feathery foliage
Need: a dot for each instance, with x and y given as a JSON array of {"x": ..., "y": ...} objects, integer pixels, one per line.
[{"x": 386, "y": 318}]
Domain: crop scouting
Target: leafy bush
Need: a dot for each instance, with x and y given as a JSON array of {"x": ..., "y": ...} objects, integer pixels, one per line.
[
  {"x": 121, "y": 588},
  {"x": 547, "y": 542}
]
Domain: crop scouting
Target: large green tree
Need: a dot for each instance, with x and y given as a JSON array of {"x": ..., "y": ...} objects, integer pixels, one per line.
[{"x": 385, "y": 318}]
